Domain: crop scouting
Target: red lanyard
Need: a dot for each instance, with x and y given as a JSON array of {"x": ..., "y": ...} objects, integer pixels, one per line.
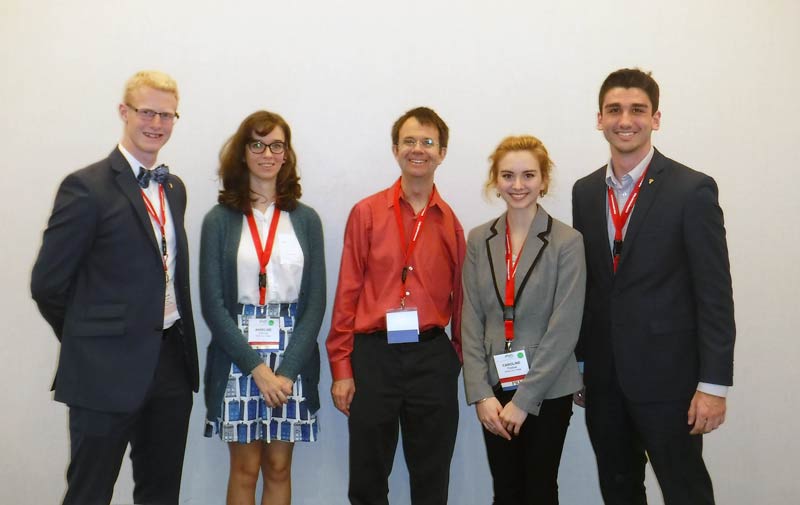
[
  {"x": 511, "y": 273},
  {"x": 618, "y": 219},
  {"x": 263, "y": 253},
  {"x": 414, "y": 236},
  {"x": 162, "y": 223}
]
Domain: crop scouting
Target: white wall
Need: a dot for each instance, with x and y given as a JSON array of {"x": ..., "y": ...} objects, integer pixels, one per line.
[{"x": 341, "y": 72}]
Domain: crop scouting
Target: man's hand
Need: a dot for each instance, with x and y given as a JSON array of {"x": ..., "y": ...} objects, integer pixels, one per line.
[
  {"x": 706, "y": 413},
  {"x": 488, "y": 412},
  {"x": 342, "y": 392}
]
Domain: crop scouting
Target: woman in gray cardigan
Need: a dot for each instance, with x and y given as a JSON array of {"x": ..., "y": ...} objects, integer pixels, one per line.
[
  {"x": 524, "y": 282},
  {"x": 262, "y": 285}
]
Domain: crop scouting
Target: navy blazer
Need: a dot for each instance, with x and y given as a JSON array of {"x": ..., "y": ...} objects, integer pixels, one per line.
[
  {"x": 664, "y": 322},
  {"x": 99, "y": 282}
]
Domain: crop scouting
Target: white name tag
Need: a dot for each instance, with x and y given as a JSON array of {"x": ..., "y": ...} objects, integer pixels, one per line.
[
  {"x": 262, "y": 333},
  {"x": 170, "y": 306},
  {"x": 402, "y": 326},
  {"x": 512, "y": 367}
]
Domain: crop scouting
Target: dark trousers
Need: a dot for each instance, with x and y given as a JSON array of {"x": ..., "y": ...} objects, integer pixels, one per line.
[
  {"x": 412, "y": 387},
  {"x": 525, "y": 468},
  {"x": 625, "y": 433},
  {"x": 156, "y": 432}
]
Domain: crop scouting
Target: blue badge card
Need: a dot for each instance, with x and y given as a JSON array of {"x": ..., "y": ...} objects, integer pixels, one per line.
[{"x": 402, "y": 326}]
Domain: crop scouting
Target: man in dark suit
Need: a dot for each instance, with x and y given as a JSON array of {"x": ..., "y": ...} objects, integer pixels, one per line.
[
  {"x": 658, "y": 330},
  {"x": 112, "y": 279}
]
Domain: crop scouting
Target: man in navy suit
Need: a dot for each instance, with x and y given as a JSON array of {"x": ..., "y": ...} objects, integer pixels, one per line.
[
  {"x": 658, "y": 329},
  {"x": 112, "y": 279}
]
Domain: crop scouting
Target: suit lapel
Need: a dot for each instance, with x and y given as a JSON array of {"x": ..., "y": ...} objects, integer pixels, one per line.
[
  {"x": 596, "y": 227},
  {"x": 130, "y": 188},
  {"x": 176, "y": 211},
  {"x": 535, "y": 242},
  {"x": 496, "y": 252},
  {"x": 647, "y": 195}
]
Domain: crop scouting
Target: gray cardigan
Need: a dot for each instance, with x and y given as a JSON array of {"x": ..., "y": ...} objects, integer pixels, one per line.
[
  {"x": 219, "y": 245},
  {"x": 550, "y": 285}
]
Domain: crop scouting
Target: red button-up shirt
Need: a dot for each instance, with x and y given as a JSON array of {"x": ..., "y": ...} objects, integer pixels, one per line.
[{"x": 372, "y": 263}]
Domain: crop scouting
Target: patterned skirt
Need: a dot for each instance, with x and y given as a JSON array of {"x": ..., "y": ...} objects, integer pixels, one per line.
[{"x": 245, "y": 415}]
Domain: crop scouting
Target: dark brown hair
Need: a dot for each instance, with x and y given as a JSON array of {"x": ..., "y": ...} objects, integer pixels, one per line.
[
  {"x": 235, "y": 175},
  {"x": 425, "y": 116},
  {"x": 630, "y": 78}
]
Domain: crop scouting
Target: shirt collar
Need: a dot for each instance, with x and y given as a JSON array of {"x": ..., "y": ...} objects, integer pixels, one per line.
[
  {"x": 132, "y": 161},
  {"x": 436, "y": 201},
  {"x": 262, "y": 216},
  {"x": 633, "y": 175}
]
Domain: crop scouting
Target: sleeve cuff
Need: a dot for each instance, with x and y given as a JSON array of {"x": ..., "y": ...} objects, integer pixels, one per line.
[
  {"x": 713, "y": 389},
  {"x": 341, "y": 370}
]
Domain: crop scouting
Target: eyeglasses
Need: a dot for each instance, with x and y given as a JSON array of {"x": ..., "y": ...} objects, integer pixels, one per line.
[
  {"x": 258, "y": 147},
  {"x": 149, "y": 114},
  {"x": 411, "y": 143}
]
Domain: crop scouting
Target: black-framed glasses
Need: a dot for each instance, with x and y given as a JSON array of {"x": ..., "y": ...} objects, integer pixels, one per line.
[
  {"x": 411, "y": 143},
  {"x": 150, "y": 114},
  {"x": 258, "y": 147}
]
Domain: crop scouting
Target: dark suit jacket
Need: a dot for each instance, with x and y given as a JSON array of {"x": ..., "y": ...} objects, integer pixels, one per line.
[
  {"x": 664, "y": 322},
  {"x": 99, "y": 282}
]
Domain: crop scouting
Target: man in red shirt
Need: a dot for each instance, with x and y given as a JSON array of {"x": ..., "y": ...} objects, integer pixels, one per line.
[{"x": 393, "y": 365}]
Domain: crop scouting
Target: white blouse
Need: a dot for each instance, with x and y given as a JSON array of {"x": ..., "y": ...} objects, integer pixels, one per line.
[{"x": 285, "y": 267}]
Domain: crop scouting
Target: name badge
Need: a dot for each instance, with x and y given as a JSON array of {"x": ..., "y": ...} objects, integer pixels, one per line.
[
  {"x": 402, "y": 326},
  {"x": 512, "y": 367},
  {"x": 261, "y": 332},
  {"x": 170, "y": 306}
]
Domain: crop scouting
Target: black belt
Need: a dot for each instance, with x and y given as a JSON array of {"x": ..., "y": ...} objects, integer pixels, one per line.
[{"x": 424, "y": 336}]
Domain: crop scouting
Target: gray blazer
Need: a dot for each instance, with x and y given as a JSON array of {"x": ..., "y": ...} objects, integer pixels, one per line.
[
  {"x": 219, "y": 245},
  {"x": 550, "y": 286}
]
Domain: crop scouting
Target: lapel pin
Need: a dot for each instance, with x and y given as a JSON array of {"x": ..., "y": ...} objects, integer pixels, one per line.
[
  {"x": 648, "y": 182},
  {"x": 170, "y": 184}
]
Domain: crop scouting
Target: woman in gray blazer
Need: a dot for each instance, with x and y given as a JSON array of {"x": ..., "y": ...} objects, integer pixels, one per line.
[
  {"x": 524, "y": 283},
  {"x": 262, "y": 285}
]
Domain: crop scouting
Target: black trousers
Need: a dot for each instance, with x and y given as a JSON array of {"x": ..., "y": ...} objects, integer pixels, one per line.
[
  {"x": 625, "y": 433},
  {"x": 156, "y": 432},
  {"x": 412, "y": 387},
  {"x": 525, "y": 468}
]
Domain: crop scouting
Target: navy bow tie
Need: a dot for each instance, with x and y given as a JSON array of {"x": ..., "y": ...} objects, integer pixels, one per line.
[{"x": 158, "y": 174}]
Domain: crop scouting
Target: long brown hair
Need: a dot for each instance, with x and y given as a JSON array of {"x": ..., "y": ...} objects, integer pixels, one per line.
[{"x": 235, "y": 175}]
